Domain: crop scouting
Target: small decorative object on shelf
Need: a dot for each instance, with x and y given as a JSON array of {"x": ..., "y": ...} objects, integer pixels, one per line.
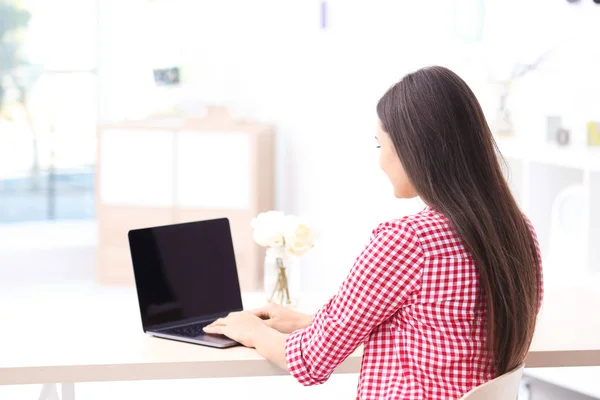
[
  {"x": 166, "y": 76},
  {"x": 563, "y": 136},
  {"x": 502, "y": 124},
  {"x": 556, "y": 132},
  {"x": 593, "y": 129},
  {"x": 286, "y": 238},
  {"x": 553, "y": 124}
]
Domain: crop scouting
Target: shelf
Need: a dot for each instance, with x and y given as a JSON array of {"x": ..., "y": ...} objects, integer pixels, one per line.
[
  {"x": 568, "y": 157},
  {"x": 594, "y": 223}
]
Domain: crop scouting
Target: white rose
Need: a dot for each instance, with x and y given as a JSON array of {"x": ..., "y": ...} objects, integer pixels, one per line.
[
  {"x": 299, "y": 237},
  {"x": 268, "y": 228}
]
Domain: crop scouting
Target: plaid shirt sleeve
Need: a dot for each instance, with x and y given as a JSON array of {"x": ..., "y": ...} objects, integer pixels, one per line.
[{"x": 383, "y": 277}]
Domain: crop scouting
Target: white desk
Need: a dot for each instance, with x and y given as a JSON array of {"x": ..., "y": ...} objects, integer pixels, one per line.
[{"x": 84, "y": 334}]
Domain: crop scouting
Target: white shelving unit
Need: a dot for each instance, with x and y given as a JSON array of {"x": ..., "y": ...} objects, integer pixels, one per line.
[
  {"x": 542, "y": 177},
  {"x": 594, "y": 212}
]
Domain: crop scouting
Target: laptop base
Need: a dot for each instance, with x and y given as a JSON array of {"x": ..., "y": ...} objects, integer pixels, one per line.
[{"x": 211, "y": 340}]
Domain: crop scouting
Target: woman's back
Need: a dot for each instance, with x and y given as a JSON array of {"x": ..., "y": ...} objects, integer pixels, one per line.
[
  {"x": 438, "y": 335},
  {"x": 413, "y": 299}
]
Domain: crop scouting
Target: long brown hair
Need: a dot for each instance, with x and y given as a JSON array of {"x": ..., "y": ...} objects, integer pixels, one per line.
[{"x": 449, "y": 154}]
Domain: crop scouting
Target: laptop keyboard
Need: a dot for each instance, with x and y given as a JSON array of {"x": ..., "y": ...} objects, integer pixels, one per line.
[{"x": 187, "y": 330}]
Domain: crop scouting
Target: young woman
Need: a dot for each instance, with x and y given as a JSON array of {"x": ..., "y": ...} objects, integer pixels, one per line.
[{"x": 443, "y": 300}]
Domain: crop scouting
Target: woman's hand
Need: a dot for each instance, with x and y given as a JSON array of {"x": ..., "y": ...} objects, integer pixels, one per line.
[
  {"x": 248, "y": 329},
  {"x": 282, "y": 318},
  {"x": 244, "y": 327}
]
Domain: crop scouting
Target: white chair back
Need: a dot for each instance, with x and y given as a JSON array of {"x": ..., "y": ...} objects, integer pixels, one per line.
[{"x": 504, "y": 387}]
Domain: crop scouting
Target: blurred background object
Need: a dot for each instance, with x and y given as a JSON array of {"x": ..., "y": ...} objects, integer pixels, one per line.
[{"x": 47, "y": 111}]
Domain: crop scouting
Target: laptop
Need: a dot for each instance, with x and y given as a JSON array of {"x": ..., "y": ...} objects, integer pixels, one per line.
[{"x": 185, "y": 277}]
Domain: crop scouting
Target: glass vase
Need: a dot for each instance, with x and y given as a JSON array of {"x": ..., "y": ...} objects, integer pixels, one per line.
[{"x": 280, "y": 277}]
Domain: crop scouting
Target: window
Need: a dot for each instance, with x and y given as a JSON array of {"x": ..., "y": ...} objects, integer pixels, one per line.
[{"x": 48, "y": 109}]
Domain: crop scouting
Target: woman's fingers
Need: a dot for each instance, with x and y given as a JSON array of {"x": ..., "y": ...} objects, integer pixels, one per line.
[
  {"x": 218, "y": 322},
  {"x": 269, "y": 322},
  {"x": 259, "y": 312},
  {"x": 214, "y": 329},
  {"x": 263, "y": 312}
]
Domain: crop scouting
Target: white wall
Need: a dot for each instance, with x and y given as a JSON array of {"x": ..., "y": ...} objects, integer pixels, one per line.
[{"x": 269, "y": 60}]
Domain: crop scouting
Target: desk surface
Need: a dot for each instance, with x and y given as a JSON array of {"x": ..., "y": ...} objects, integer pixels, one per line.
[{"x": 79, "y": 333}]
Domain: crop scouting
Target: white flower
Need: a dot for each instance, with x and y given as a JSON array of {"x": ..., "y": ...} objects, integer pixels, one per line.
[
  {"x": 299, "y": 237},
  {"x": 268, "y": 228}
]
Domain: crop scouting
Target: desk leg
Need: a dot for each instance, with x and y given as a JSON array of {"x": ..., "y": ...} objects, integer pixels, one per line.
[
  {"x": 49, "y": 392},
  {"x": 68, "y": 391}
]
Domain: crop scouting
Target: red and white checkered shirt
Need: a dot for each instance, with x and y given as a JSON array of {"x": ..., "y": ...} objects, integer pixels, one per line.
[{"x": 411, "y": 299}]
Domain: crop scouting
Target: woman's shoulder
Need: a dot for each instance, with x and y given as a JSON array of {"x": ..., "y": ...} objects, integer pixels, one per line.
[
  {"x": 431, "y": 228},
  {"x": 421, "y": 222}
]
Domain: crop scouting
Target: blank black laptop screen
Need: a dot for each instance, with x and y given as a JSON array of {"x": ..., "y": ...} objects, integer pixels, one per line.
[{"x": 184, "y": 271}]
